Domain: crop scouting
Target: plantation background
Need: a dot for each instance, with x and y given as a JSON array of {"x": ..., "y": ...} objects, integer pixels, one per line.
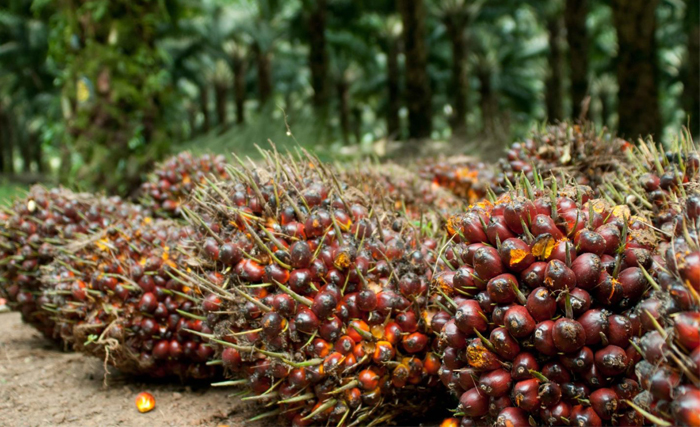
[{"x": 92, "y": 92}]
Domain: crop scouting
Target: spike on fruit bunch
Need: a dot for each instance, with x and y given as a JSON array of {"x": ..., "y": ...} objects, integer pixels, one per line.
[
  {"x": 317, "y": 300},
  {"x": 113, "y": 295},
  {"x": 538, "y": 318},
  {"x": 35, "y": 229},
  {"x": 173, "y": 180}
]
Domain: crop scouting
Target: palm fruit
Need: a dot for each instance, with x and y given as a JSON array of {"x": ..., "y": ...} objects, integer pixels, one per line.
[
  {"x": 34, "y": 231},
  {"x": 406, "y": 191},
  {"x": 579, "y": 151},
  {"x": 669, "y": 370},
  {"x": 464, "y": 176},
  {"x": 174, "y": 179},
  {"x": 316, "y": 298},
  {"x": 112, "y": 295},
  {"x": 535, "y": 321}
]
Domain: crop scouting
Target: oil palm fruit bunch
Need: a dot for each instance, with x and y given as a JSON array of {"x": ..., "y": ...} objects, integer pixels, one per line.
[
  {"x": 537, "y": 317},
  {"x": 35, "y": 228},
  {"x": 112, "y": 295},
  {"x": 579, "y": 151},
  {"x": 464, "y": 176},
  {"x": 402, "y": 190},
  {"x": 316, "y": 298},
  {"x": 174, "y": 179}
]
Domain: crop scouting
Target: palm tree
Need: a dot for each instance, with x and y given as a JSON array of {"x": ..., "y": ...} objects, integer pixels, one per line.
[
  {"x": 575, "y": 15},
  {"x": 692, "y": 74}
]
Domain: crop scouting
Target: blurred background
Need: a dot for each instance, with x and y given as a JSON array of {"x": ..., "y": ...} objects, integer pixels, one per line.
[{"x": 92, "y": 92}]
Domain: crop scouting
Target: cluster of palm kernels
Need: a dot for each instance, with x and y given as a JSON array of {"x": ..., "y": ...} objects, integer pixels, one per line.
[
  {"x": 577, "y": 151},
  {"x": 114, "y": 296},
  {"x": 538, "y": 315},
  {"x": 317, "y": 303},
  {"x": 408, "y": 192},
  {"x": 173, "y": 180},
  {"x": 35, "y": 229},
  {"x": 468, "y": 179}
]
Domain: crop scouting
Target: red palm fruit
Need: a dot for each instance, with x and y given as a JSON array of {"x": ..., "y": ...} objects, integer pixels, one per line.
[
  {"x": 501, "y": 289},
  {"x": 533, "y": 276},
  {"x": 611, "y": 360},
  {"x": 580, "y": 301},
  {"x": 556, "y": 414},
  {"x": 619, "y": 330},
  {"x": 587, "y": 268},
  {"x": 542, "y": 338},
  {"x": 499, "y": 314},
  {"x": 464, "y": 280},
  {"x": 512, "y": 417},
  {"x": 560, "y": 249},
  {"x": 579, "y": 361},
  {"x": 473, "y": 403},
  {"x": 649, "y": 309},
  {"x": 453, "y": 335},
  {"x": 522, "y": 365},
  {"x": 585, "y": 416},
  {"x": 612, "y": 237},
  {"x": 148, "y": 303},
  {"x": 487, "y": 263},
  {"x": 518, "y": 212},
  {"x": 479, "y": 357},
  {"x": 604, "y": 402},
  {"x": 437, "y": 323},
  {"x": 555, "y": 371},
  {"x": 557, "y": 276},
  {"x": 549, "y": 393},
  {"x": 544, "y": 224},
  {"x": 595, "y": 322},
  {"x": 414, "y": 343},
  {"x": 472, "y": 229},
  {"x": 634, "y": 284},
  {"x": 568, "y": 335},
  {"x": 525, "y": 394},
  {"x": 516, "y": 254},
  {"x": 590, "y": 242},
  {"x": 690, "y": 270},
  {"x": 541, "y": 304},
  {"x": 497, "y": 404},
  {"x": 272, "y": 324},
  {"x": 467, "y": 378},
  {"x": 495, "y": 383},
  {"x": 687, "y": 329},
  {"x": 663, "y": 383},
  {"x": 573, "y": 391},
  {"x": 498, "y": 231},
  {"x": 518, "y": 322},
  {"x": 503, "y": 344},
  {"x": 685, "y": 407},
  {"x": 470, "y": 317}
]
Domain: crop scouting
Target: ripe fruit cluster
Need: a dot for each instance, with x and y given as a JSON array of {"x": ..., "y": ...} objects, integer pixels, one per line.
[
  {"x": 465, "y": 177},
  {"x": 317, "y": 301},
  {"x": 35, "y": 229},
  {"x": 173, "y": 180},
  {"x": 539, "y": 313},
  {"x": 114, "y": 296}
]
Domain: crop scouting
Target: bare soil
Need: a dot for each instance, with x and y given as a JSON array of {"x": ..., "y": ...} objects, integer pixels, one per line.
[{"x": 40, "y": 385}]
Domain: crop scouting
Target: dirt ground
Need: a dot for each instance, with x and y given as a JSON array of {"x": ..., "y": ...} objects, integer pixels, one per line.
[{"x": 43, "y": 386}]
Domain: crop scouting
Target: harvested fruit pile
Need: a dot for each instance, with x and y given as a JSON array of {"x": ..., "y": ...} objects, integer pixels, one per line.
[{"x": 566, "y": 293}]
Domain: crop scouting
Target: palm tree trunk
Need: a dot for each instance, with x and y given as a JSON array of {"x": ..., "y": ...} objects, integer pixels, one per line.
[
  {"x": 37, "y": 153},
  {"x": 575, "y": 14},
  {"x": 204, "y": 105},
  {"x": 343, "y": 95},
  {"x": 318, "y": 57},
  {"x": 460, "y": 82},
  {"x": 553, "y": 95},
  {"x": 488, "y": 102},
  {"x": 393, "y": 125},
  {"x": 239, "y": 71},
  {"x": 357, "y": 123},
  {"x": 638, "y": 97},
  {"x": 264, "y": 75},
  {"x": 417, "y": 81},
  {"x": 692, "y": 81},
  {"x": 220, "y": 93}
]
